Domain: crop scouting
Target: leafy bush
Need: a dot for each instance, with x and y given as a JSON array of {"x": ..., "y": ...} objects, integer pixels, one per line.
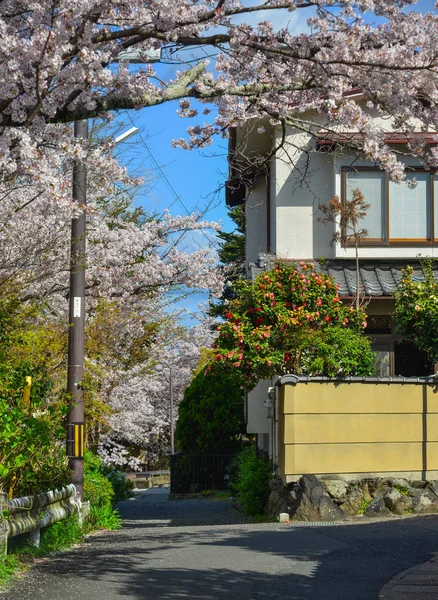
[
  {"x": 250, "y": 481},
  {"x": 122, "y": 485},
  {"x": 416, "y": 308},
  {"x": 9, "y": 567},
  {"x": 32, "y": 452},
  {"x": 103, "y": 517},
  {"x": 32, "y": 459},
  {"x": 210, "y": 417},
  {"x": 97, "y": 488},
  {"x": 100, "y": 493},
  {"x": 60, "y": 535}
]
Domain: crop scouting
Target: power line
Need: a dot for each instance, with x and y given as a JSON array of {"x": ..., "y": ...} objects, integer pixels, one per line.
[{"x": 170, "y": 186}]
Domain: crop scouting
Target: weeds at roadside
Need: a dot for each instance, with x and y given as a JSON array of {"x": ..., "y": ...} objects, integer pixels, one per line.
[
  {"x": 9, "y": 567},
  {"x": 363, "y": 506}
]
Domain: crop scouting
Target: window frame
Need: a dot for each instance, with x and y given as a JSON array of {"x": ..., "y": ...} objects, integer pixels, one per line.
[{"x": 385, "y": 240}]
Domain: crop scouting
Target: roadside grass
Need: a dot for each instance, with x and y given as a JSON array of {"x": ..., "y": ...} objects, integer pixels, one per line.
[
  {"x": 10, "y": 567},
  {"x": 59, "y": 536},
  {"x": 216, "y": 496}
]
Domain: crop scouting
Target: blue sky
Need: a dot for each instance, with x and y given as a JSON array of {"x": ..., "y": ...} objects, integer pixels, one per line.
[{"x": 183, "y": 180}]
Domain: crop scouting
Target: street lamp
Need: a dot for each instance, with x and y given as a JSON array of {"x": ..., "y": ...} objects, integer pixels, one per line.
[{"x": 76, "y": 319}]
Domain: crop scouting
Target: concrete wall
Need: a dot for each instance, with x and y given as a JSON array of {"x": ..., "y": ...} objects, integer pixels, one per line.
[
  {"x": 256, "y": 411},
  {"x": 358, "y": 428}
]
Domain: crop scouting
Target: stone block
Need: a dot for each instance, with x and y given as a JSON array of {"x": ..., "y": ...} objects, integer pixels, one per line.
[
  {"x": 336, "y": 488},
  {"x": 353, "y": 501},
  {"x": 283, "y": 517},
  {"x": 377, "y": 508},
  {"x": 313, "y": 503}
]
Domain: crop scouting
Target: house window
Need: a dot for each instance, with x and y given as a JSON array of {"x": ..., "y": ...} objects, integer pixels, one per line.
[
  {"x": 394, "y": 356},
  {"x": 398, "y": 213}
]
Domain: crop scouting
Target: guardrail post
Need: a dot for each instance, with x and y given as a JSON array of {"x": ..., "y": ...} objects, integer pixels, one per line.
[
  {"x": 84, "y": 509},
  {"x": 35, "y": 537},
  {"x": 3, "y": 524}
]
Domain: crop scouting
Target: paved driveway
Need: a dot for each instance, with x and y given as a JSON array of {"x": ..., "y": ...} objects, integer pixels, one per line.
[{"x": 158, "y": 554}]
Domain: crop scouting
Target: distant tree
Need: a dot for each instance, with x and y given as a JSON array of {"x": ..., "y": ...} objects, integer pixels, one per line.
[
  {"x": 211, "y": 415},
  {"x": 232, "y": 258}
]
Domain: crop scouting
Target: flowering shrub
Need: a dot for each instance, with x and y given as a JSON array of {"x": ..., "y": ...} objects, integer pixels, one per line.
[
  {"x": 291, "y": 320},
  {"x": 416, "y": 309}
]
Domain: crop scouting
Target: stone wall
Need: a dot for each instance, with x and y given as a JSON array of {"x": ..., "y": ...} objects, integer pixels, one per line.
[{"x": 334, "y": 499}]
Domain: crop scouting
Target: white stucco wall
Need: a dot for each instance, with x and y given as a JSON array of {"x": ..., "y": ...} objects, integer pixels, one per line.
[
  {"x": 256, "y": 221},
  {"x": 302, "y": 182}
]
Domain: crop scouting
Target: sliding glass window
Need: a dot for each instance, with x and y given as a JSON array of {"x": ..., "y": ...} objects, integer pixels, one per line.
[{"x": 399, "y": 213}]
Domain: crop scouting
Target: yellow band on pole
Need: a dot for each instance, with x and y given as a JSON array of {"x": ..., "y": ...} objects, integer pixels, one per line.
[
  {"x": 26, "y": 391},
  {"x": 76, "y": 443}
]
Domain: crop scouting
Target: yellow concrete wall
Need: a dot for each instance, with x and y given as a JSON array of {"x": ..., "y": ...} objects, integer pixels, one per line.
[{"x": 357, "y": 428}]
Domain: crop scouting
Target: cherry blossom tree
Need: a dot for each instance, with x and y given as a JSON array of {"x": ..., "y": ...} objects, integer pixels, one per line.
[
  {"x": 58, "y": 66},
  {"x": 134, "y": 266},
  {"x": 139, "y": 424}
]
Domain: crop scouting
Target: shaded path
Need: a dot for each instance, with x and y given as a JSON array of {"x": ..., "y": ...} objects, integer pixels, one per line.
[
  {"x": 157, "y": 555},
  {"x": 151, "y": 508}
]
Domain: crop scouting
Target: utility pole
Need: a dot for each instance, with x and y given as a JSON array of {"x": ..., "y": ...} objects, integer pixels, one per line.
[
  {"x": 76, "y": 319},
  {"x": 76, "y": 334}
]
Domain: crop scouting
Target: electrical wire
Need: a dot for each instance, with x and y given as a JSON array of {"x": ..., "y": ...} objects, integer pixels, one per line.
[{"x": 211, "y": 243}]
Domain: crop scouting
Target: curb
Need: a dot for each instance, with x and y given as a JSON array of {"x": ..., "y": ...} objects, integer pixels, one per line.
[{"x": 419, "y": 582}]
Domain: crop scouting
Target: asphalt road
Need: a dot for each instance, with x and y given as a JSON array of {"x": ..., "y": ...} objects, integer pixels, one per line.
[{"x": 197, "y": 549}]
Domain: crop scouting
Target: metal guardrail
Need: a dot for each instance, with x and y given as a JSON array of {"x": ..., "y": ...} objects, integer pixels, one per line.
[{"x": 32, "y": 513}]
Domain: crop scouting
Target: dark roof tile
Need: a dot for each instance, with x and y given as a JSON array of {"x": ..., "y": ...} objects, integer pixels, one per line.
[{"x": 377, "y": 278}]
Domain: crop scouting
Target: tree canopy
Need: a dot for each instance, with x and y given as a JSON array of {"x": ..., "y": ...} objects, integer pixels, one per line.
[
  {"x": 58, "y": 61},
  {"x": 416, "y": 308},
  {"x": 210, "y": 418}
]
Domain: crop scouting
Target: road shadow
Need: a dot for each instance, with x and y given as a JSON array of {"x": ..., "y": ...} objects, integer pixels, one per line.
[
  {"x": 152, "y": 508},
  {"x": 243, "y": 562}
]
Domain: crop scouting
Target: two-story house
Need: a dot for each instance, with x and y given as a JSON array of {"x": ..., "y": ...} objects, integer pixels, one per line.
[{"x": 280, "y": 192}]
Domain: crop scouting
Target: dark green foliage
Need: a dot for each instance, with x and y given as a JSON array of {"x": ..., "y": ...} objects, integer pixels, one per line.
[
  {"x": 122, "y": 486},
  {"x": 232, "y": 257},
  {"x": 211, "y": 415},
  {"x": 250, "y": 481}
]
